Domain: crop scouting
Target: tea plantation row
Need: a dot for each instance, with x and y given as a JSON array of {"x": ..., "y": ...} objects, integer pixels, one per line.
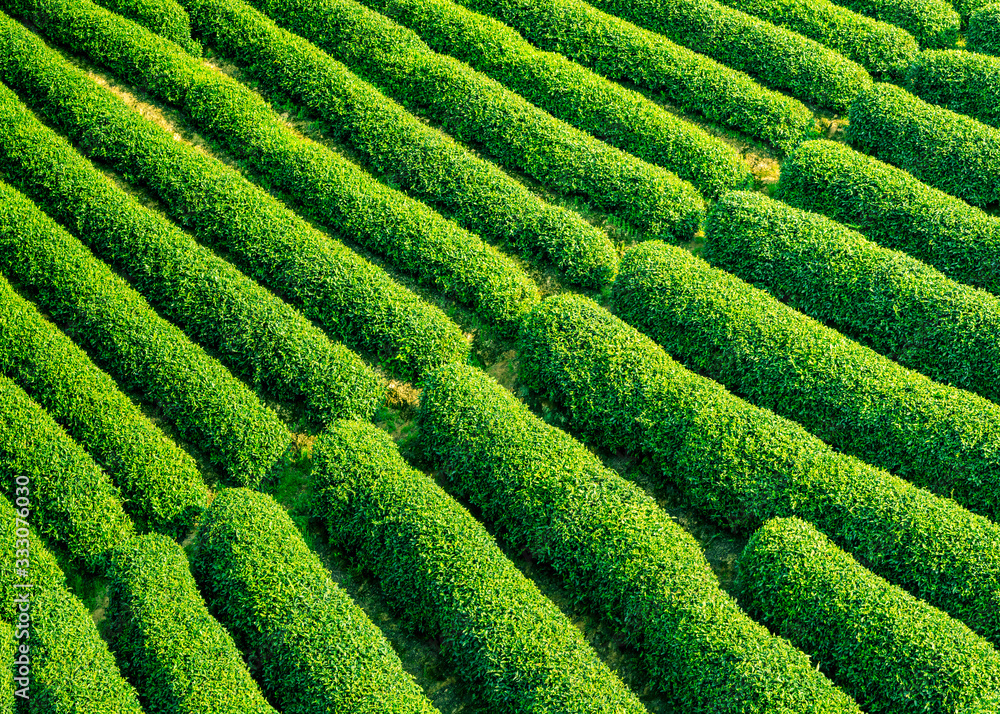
[{"x": 231, "y": 318}]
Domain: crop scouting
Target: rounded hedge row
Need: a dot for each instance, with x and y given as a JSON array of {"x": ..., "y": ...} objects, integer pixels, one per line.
[
  {"x": 884, "y": 299},
  {"x": 941, "y": 438},
  {"x": 262, "y": 339},
  {"x": 481, "y": 112},
  {"x": 950, "y": 151},
  {"x": 891, "y": 651},
  {"x": 740, "y": 465},
  {"x": 420, "y": 159},
  {"x": 159, "y": 482},
  {"x": 576, "y": 95},
  {"x": 425, "y": 161},
  {"x": 318, "y": 650},
  {"x": 934, "y": 23},
  {"x": 510, "y": 643},
  {"x": 612, "y": 544},
  {"x": 883, "y": 49},
  {"x": 964, "y": 82},
  {"x": 347, "y": 296},
  {"x": 164, "y": 17},
  {"x": 147, "y": 355},
  {"x": 983, "y": 33},
  {"x": 71, "y": 670},
  {"x": 894, "y": 210},
  {"x": 619, "y": 50},
  {"x": 177, "y": 655},
  {"x": 319, "y": 181},
  {"x": 72, "y": 500},
  {"x": 777, "y": 57}
]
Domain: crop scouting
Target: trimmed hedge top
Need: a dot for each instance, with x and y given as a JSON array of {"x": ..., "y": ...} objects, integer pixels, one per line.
[
  {"x": 860, "y": 402},
  {"x": 319, "y": 651},
  {"x": 896, "y": 654},
  {"x": 264, "y": 340},
  {"x": 480, "y": 111},
  {"x": 983, "y": 33},
  {"x": 740, "y": 465},
  {"x": 950, "y": 151},
  {"x": 164, "y": 17},
  {"x": 349, "y": 297},
  {"x": 420, "y": 159},
  {"x": 619, "y": 50},
  {"x": 894, "y": 210},
  {"x": 882, "y": 49},
  {"x": 180, "y": 658},
  {"x": 147, "y": 354},
  {"x": 159, "y": 482},
  {"x": 73, "y": 502},
  {"x": 777, "y": 57},
  {"x": 934, "y": 23},
  {"x": 321, "y": 182},
  {"x": 964, "y": 82},
  {"x": 513, "y": 646},
  {"x": 884, "y": 299},
  {"x": 576, "y": 95},
  {"x": 72, "y": 670},
  {"x": 612, "y": 544}
]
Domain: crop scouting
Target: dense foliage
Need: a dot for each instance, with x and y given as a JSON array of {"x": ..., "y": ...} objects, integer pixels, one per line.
[
  {"x": 983, "y": 33},
  {"x": 479, "y": 111},
  {"x": 965, "y": 82},
  {"x": 164, "y": 17},
  {"x": 779, "y": 58},
  {"x": 884, "y": 50},
  {"x": 420, "y": 159},
  {"x": 208, "y": 406},
  {"x": 70, "y": 667},
  {"x": 882, "y": 298},
  {"x": 160, "y": 484},
  {"x": 894, "y": 210},
  {"x": 321, "y": 182},
  {"x": 262, "y": 339},
  {"x": 968, "y": 7},
  {"x": 8, "y": 651},
  {"x": 75, "y": 503},
  {"x": 619, "y": 50},
  {"x": 176, "y": 654},
  {"x": 950, "y": 151},
  {"x": 934, "y": 23},
  {"x": 856, "y": 400},
  {"x": 739, "y": 465},
  {"x": 346, "y": 295},
  {"x": 565, "y": 141},
  {"x": 612, "y": 544},
  {"x": 517, "y": 650},
  {"x": 896, "y": 654},
  {"x": 578, "y": 96},
  {"x": 319, "y": 651}
]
